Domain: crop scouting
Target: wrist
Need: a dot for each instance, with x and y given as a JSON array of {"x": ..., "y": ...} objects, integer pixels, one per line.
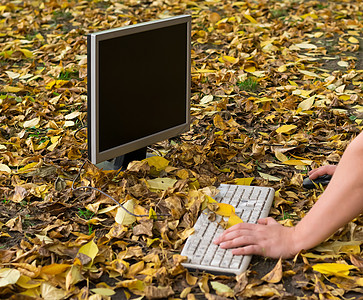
[{"x": 303, "y": 240}]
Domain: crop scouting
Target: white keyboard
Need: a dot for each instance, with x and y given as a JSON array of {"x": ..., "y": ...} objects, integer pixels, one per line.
[{"x": 251, "y": 203}]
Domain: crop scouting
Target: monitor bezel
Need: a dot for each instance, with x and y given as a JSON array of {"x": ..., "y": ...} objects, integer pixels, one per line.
[{"x": 93, "y": 39}]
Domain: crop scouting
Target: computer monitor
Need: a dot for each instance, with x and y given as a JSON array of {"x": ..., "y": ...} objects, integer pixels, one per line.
[{"x": 138, "y": 86}]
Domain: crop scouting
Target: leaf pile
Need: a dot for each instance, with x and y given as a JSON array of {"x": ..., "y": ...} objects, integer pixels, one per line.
[{"x": 276, "y": 90}]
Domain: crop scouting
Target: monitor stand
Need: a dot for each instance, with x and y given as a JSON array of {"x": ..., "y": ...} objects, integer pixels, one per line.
[{"x": 121, "y": 162}]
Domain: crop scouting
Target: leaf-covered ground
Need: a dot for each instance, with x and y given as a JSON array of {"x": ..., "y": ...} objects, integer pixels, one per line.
[{"x": 276, "y": 90}]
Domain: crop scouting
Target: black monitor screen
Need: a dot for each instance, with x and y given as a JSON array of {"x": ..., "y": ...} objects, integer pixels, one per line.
[{"x": 142, "y": 80}]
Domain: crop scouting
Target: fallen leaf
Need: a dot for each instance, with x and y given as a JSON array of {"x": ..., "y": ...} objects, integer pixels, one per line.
[
  {"x": 335, "y": 269},
  {"x": 124, "y": 218},
  {"x": 103, "y": 291},
  {"x": 50, "y": 292},
  {"x": 269, "y": 177},
  {"x": 161, "y": 183},
  {"x": 8, "y": 276},
  {"x": 275, "y": 275},
  {"x": 31, "y": 123},
  {"x": 222, "y": 289},
  {"x": 286, "y": 128},
  {"x": 244, "y": 181},
  {"x": 5, "y": 168}
]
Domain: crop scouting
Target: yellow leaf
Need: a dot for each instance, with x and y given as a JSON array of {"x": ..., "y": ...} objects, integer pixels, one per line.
[
  {"x": 11, "y": 89},
  {"x": 353, "y": 40},
  {"x": 103, "y": 291},
  {"x": 250, "y": 18},
  {"x": 307, "y": 103},
  {"x": 186, "y": 233},
  {"x": 191, "y": 280},
  {"x": 203, "y": 283},
  {"x": 158, "y": 162},
  {"x": 90, "y": 249},
  {"x": 359, "y": 281},
  {"x": 136, "y": 268},
  {"x": 34, "y": 293},
  {"x": 222, "y": 289},
  {"x": 152, "y": 214},
  {"x": 250, "y": 69},
  {"x": 230, "y": 59},
  {"x": 219, "y": 122},
  {"x": 149, "y": 241},
  {"x": 295, "y": 162},
  {"x": 333, "y": 269},
  {"x": 27, "y": 53},
  {"x": 270, "y": 117},
  {"x": 28, "y": 283},
  {"x": 54, "y": 139},
  {"x": 205, "y": 71},
  {"x": 285, "y": 128},
  {"x": 311, "y": 15},
  {"x": 344, "y": 97},
  {"x": 318, "y": 256},
  {"x": 244, "y": 181},
  {"x": 280, "y": 156},
  {"x": 225, "y": 209},
  {"x": 139, "y": 210},
  {"x": 133, "y": 284},
  {"x": 308, "y": 73},
  {"x": 282, "y": 68},
  {"x": 161, "y": 183},
  {"x": 39, "y": 37},
  {"x": 73, "y": 276},
  {"x": 225, "y": 170},
  {"x": 124, "y": 218},
  {"x": 233, "y": 220},
  {"x": 50, "y": 84},
  {"x": 28, "y": 168},
  {"x": 210, "y": 199},
  {"x": 182, "y": 174},
  {"x": 185, "y": 292},
  {"x": 54, "y": 269}
]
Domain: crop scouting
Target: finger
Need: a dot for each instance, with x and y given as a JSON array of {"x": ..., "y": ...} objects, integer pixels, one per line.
[
  {"x": 316, "y": 173},
  {"x": 262, "y": 221},
  {"x": 271, "y": 221},
  {"x": 239, "y": 226},
  {"x": 248, "y": 250},
  {"x": 238, "y": 242},
  {"x": 330, "y": 169},
  {"x": 228, "y": 236},
  {"x": 266, "y": 221}
]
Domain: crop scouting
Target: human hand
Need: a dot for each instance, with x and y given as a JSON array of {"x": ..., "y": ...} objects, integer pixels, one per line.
[
  {"x": 329, "y": 170},
  {"x": 267, "y": 238}
]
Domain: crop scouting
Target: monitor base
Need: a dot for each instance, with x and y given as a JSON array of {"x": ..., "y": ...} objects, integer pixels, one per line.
[{"x": 121, "y": 162}]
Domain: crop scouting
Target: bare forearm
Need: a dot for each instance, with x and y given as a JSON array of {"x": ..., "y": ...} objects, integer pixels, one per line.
[{"x": 341, "y": 202}]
